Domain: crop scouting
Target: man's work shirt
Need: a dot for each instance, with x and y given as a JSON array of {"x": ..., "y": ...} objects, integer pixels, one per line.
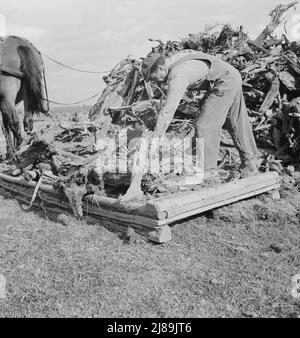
[{"x": 179, "y": 79}]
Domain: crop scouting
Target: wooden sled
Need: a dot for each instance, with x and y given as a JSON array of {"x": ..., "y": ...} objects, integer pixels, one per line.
[{"x": 151, "y": 219}]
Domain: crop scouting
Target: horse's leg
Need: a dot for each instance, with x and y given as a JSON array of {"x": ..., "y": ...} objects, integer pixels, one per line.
[
  {"x": 11, "y": 123},
  {"x": 28, "y": 114},
  {"x": 28, "y": 117},
  {"x": 6, "y": 133},
  {"x": 9, "y": 89}
]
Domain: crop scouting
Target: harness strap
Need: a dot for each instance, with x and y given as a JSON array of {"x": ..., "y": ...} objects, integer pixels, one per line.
[{"x": 10, "y": 71}]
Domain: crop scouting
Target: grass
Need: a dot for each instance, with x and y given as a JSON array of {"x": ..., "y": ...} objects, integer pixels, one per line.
[{"x": 222, "y": 264}]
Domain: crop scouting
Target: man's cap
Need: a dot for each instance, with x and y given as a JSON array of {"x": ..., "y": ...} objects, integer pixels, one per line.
[{"x": 148, "y": 63}]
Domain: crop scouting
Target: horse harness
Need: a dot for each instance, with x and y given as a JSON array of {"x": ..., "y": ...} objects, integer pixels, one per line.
[
  {"x": 8, "y": 70},
  {"x": 5, "y": 69}
]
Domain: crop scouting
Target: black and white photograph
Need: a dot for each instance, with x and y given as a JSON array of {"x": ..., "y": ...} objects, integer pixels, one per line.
[{"x": 149, "y": 162}]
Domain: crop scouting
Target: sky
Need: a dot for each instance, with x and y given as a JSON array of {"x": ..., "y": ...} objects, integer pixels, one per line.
[{"x": 96, "y": 34}]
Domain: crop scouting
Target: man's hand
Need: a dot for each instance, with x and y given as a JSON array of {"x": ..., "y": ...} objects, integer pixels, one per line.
[{"x": 158, "y": 133}]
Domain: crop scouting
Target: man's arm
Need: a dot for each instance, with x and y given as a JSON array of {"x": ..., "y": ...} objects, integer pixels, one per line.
[{"x": 176, "y": 89}]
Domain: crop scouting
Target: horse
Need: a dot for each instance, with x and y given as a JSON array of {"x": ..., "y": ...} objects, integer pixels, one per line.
[{"x": 21, "y": 79}]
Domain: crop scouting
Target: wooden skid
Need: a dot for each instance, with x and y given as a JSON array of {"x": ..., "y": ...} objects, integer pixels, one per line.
[{"x": 151, "y": 219}]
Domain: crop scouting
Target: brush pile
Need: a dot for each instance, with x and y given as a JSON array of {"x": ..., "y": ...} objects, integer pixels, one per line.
[{"x": 269, "y": 66}]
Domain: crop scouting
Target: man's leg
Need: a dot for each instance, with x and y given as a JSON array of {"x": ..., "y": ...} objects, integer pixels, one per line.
[
  {"x": 211, "y": 120},
  {"x": 240, "y": 129}
]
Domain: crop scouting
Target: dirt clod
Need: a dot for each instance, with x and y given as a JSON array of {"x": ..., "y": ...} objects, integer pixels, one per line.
[{"x": 277, "y": 248}]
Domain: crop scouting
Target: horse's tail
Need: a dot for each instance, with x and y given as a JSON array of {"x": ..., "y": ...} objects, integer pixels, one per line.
[{"x": 32, "y": 77}]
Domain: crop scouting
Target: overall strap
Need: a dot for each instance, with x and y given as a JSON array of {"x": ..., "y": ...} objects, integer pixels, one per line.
[{"x": 193, "y": 56}]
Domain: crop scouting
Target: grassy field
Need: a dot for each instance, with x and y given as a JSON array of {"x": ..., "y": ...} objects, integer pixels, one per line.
[{"x": 237, "y": 261}]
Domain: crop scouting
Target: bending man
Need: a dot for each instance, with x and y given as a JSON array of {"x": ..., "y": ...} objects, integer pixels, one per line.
[{"x": 225, "y": 104}]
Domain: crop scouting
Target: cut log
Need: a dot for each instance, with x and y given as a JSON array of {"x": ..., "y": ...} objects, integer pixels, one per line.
[
  {"x": 21, "y": 181},
  {"x": 88, "y": 208},
  {"x": 93, "y": 200}
]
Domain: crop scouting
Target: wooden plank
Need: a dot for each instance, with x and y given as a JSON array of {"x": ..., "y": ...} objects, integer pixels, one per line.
[
  {"x": 199, "y": 211},
  {"x": 222, "y": 198},
  {"x": 182, "y": 199}
]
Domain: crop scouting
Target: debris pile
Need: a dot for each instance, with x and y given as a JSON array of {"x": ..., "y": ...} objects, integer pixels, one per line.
[{"x": 270, "y": 69}]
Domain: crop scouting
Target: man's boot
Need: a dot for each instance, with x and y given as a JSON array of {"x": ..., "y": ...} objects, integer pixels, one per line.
[{"x": 248, "y": 168}]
